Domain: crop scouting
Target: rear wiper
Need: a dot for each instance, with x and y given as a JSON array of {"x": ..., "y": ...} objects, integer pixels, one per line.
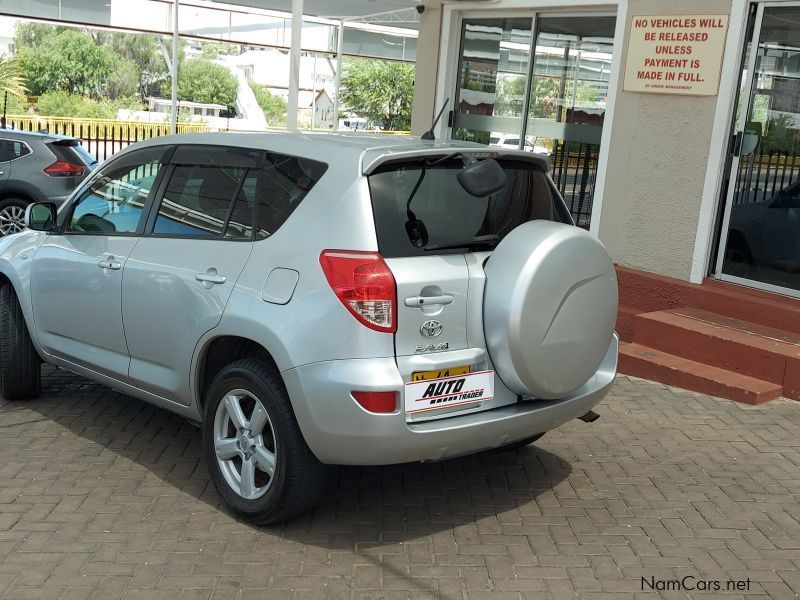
[{"x": 485, "y": 241}]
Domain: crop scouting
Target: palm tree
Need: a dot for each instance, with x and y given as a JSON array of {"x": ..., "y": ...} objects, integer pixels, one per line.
[{"x": 12, "y": 81}]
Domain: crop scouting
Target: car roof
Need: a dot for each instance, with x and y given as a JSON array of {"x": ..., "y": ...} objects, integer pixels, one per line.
[
  {"x": 32, "y": 135},
  {"x": 367, "y": 150}
]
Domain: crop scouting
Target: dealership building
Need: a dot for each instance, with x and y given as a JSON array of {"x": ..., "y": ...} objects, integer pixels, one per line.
[{"x": 673, "y": 131}]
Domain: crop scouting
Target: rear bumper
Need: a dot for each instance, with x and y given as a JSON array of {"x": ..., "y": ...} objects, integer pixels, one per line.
[{"x": 339, "y": 431}]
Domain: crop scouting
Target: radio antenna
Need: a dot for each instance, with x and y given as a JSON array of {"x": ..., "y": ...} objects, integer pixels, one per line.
[{"x": 428, "y": 135}]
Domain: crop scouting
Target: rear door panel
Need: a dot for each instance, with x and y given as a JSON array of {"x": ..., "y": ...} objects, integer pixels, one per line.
[
  {"x": 461, "y": 341},
  {"x": 166, "y": 309},
  {"x": 422, "y": 283}
]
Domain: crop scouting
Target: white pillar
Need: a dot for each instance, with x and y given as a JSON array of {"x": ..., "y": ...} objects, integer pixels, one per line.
[
  {"x": 339, "y": 44},
  {"x": 174, "y": 116},
  {"x": 294, "y": 64}
]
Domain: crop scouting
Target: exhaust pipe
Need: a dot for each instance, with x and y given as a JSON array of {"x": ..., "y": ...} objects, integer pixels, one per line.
[{"x": 589, "y": 417}]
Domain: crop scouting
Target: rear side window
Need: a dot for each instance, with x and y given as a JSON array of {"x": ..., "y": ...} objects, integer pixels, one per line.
[
  {"x": 279, "y": 188},
  {"x": 198, "y": 199},
  {"x": 14, "y": 149},
  {"x": 448, "y": 212}
]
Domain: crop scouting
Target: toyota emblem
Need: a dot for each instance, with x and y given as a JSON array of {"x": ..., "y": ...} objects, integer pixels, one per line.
[{"x": 431, "y": 328}]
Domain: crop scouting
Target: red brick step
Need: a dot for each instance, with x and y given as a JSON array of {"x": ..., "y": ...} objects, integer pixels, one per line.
[
  {"x": 749, "y": 349},
  {"x": 648, "y": 363}
]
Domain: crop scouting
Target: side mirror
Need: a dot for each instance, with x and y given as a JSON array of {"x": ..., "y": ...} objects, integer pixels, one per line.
[
  {"x": 40, "y": 216},
  {"x": 482, "y": 177}
]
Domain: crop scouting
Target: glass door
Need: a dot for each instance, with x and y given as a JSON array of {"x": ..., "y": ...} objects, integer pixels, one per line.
[
  {"x": 568, "y": 95},
  {"x": 760, "y": 242},
  {"x": 492, "y": 80},
  {"x": 538, "y": 84}
]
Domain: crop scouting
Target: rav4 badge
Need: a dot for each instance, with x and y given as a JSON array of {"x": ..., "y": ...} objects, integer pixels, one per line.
[{"x": 433, "y": 347}]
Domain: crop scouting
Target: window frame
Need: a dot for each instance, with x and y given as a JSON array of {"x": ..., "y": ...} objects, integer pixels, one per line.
[{"x": 168, "y": 151}]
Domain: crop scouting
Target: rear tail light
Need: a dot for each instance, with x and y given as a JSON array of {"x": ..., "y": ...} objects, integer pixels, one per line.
[
  {"x": 365, "y": 285},
  {"x": 63, "y": 168},
  {"x": 377, "y": 402}
]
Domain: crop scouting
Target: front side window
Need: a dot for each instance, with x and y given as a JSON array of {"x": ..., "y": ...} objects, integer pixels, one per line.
[{"x": 115, "y": 201}]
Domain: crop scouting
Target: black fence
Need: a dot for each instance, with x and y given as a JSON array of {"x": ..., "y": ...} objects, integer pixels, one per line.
[
  {"x": 763, "y": 174},
  {"x": 574, "y": 173},
  {"x": 101, "y": 137}
]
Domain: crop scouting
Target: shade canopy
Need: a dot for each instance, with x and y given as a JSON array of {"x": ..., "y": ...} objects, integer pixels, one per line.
[{"x": 396, "y": 12}]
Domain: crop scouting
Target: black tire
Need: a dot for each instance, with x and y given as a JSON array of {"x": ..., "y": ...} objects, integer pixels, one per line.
[
  {"x": 299, "y": 477},
  {"x": 20, "y": 367},
  {"x": 10, "y": 209},
  {"x": 520, "y": 443}
]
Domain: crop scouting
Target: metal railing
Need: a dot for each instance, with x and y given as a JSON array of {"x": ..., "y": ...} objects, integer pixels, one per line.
[
  {"x": 763, "y": 174},
  {"x": 574, "y": 170},
  {"x": 103, "y": 137},
  {"x": 100, "y": 137}
]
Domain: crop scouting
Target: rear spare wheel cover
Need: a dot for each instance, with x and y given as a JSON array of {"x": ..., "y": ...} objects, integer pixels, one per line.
[{"x": 550, "y": 305}]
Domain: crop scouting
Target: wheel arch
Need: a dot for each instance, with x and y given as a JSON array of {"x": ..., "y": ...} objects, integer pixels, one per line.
[
  {"x": 219, "y": 351},
  {"x": 23, "y": 191}
]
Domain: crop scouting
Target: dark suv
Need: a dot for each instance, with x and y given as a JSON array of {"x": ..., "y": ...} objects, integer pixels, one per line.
[{"x": 37, "y": 167}]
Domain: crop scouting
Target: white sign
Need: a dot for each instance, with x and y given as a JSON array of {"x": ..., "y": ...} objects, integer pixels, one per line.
[
  {"x": 435, "y": 394},
  {"x": 675, "y": 54}
]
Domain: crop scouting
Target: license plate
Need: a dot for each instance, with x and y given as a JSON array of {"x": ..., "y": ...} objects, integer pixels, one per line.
[
  {"x": 445, "y": 392},
  {"x": 438, "y": 374}
]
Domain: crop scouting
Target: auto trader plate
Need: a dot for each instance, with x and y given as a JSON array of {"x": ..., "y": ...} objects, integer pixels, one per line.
[{"x": 445, "y": 392}]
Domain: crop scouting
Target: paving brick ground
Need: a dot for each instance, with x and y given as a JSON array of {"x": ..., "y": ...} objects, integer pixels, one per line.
[{"x": 104, "y": 497}]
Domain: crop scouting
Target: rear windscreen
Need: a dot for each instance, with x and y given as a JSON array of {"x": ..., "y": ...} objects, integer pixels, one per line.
[
  {"x": 449, "y": 213},
  {"x": 72, "y": 151}
]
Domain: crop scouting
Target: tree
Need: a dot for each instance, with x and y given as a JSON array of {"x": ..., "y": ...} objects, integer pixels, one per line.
[
  {"x": 136, "y": 63},
  {"x": 33, "y": 35},
  {"x": 379, "y": 90},
  {"x": 142, "y": 52},
  {"x": 69, "y": 60},
  {"x": 64, "y": 104},
  {"x": 274, "y": 107},
  {"x": 200, "y": 80},
  {"x": 12, "y": 81}
]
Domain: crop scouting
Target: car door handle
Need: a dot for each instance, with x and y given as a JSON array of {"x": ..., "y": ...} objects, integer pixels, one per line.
[
  {"x": 210, "y": 276},
  {"x": 110, "y": 263},
  {"x": 420, "y": 301}
]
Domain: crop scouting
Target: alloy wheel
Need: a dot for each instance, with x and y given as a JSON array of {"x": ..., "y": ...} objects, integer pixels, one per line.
[
  {"x": 245, "y": 444},
  {"x": 12, "y": 220}
]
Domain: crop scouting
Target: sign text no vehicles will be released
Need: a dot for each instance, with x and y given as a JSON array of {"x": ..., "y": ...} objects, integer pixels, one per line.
[{"x": 675, "y": 54}]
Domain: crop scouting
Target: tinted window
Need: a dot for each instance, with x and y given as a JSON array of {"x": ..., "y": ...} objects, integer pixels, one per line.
[
  {"x": 116, "y": 198},
  {"x": 198, "y": 200},
  {"x": 15, "y": 150},
  {"x": 449, "y": 213},
  {"x": 71, "y": 151},
  {"x": 280, "y": 186}
]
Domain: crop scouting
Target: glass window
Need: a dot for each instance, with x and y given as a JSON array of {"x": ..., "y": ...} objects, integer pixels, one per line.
[
  {"x": 198, "y": 200},
  {"x": 281, "y": 185},
  {"x": 115, "y": 201},
  {"x": 16, "y": 149},
  {"x": 449, "y": 213}
]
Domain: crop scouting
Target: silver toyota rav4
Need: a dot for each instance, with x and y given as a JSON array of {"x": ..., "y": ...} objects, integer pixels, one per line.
[{"x": 317, "y": 299}]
